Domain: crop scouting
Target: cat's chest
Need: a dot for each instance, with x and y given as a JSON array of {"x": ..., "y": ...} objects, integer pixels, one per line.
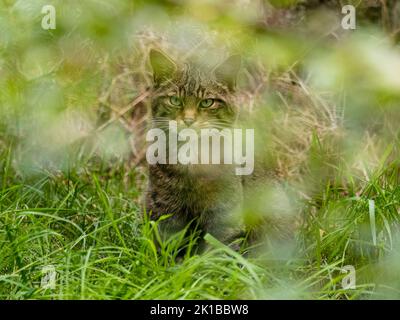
[
  {"x": 199, "y": 189},
  {"x": 193, "y": 193}
]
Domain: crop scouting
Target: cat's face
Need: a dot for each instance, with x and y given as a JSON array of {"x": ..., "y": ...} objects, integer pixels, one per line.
[{"x": 191, "y": 97}]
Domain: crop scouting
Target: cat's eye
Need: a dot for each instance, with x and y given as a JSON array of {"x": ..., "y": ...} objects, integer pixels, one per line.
[
  {"x": 175, "y": 101},
  {"x": 206, "y": 103}
]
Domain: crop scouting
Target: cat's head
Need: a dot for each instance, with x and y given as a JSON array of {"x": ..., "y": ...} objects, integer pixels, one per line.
[{"x": 191, "y": 96}]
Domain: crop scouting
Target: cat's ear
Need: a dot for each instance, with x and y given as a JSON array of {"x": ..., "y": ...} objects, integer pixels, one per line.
[
  {"x": 163, "y": 67},
  {"x": 227, "y": 71}
]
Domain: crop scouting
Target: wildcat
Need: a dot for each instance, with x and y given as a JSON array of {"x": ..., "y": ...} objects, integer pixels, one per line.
[{"x": 208, "y": 197}]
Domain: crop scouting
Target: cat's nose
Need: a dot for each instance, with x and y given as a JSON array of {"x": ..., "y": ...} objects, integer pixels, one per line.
[{"x": 188, "y": 121}]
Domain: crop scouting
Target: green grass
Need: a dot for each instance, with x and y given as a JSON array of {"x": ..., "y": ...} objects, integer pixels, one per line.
[{"x": 89, "y": 226}]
